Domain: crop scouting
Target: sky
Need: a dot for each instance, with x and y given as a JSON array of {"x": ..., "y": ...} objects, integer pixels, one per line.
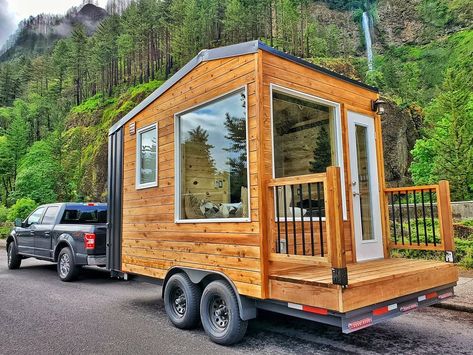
[
  {"x": 13, "y": 11},
  {"x": 211, "y": 117}
]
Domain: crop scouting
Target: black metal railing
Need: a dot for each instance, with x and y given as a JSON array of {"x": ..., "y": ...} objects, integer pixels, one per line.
[
  {"x": 414, "y": 217},
  {"x": 300, "y": 217}
]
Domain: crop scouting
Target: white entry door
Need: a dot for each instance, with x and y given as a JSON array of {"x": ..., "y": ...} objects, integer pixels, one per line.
[{"x": 365, "y": 187}]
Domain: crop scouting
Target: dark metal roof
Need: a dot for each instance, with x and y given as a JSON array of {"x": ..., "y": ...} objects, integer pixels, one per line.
[{"x": 226, "y": 52}]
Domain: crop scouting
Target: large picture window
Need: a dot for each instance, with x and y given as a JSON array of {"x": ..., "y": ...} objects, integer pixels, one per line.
[
  {"x": 213, "y": 161},
  {"x": 303, "y": 136},
  {"x": 306, "y": 140},
  {"x": 146, "y": 157}
]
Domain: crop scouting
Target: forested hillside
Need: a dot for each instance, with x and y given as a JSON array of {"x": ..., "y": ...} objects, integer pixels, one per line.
[{"x": 59, "y": 94}]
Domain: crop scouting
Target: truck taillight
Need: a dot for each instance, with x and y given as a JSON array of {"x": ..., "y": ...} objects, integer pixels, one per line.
[{"x": 89, "y": 240}]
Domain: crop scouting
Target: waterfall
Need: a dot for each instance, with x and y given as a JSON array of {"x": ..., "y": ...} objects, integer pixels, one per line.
[{"x": 368, "y": 43}]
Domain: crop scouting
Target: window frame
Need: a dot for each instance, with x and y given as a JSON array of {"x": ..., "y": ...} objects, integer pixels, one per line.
[
  {"x": 139, "y": 132},
  {"x": 177, "y": 160},
  {"x": 337, "y": 127}
]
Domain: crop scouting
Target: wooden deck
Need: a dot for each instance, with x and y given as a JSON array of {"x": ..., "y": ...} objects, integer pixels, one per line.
[{"x": 369, "y": 282}]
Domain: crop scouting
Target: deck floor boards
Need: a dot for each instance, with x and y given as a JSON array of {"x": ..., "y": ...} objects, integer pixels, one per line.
[{"x": 359, "y": 273}]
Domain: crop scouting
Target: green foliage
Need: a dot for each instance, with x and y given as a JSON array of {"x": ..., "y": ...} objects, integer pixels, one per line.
[
  {"x": 5, "y": 230},
  {"x": 322, "y": 152},
  {"x": 21, "y": 209},
  {"x": 435, "y": 12},
  {"x": 38, "y": 174},
  {"x": 3, "y": 214},
  {"x": 445, "y": 152}
]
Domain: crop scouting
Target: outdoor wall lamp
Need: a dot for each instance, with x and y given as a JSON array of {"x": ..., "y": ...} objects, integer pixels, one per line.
[{"x": 378, "y": 106}]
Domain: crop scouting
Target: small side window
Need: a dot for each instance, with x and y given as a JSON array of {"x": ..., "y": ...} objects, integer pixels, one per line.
[
  {"x": 147, "y": 157},
  {"x": 50, "y": 215},
  {"x": 35, "y": 217}
]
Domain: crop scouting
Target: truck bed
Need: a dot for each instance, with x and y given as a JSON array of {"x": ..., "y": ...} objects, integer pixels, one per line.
[{"x": 370, "y": 283}]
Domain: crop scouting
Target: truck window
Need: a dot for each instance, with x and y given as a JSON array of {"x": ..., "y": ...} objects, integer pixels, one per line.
[
  {"x": 50, "y": 215},
  {"x": 84, "y": 215},
  {"x": 35, "y": 216}
]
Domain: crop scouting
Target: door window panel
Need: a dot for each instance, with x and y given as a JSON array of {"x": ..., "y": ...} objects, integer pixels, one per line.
[
  {"x": 35, "y": 217},
  {"x": 50, "y": 215}
]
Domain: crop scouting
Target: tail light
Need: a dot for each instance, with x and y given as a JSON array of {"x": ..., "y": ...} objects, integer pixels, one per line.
[{"x": 89, "y": 240}]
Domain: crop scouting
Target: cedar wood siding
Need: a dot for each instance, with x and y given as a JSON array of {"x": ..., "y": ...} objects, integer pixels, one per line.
[
  {"x": 152, "y": 242},
  {"x": 290, "y": 75}
]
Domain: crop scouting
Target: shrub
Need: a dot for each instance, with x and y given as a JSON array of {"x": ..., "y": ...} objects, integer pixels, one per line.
[
  {"x": 3, "y": 214},
  {"x": 21, "y": 209}
]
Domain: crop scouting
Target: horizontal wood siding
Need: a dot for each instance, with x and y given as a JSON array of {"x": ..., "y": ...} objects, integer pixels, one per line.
[{"x": 152, "y": 241}]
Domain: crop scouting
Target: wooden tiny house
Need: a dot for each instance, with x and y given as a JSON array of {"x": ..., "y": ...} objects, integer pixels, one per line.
[{"x": 267, "y": 170}]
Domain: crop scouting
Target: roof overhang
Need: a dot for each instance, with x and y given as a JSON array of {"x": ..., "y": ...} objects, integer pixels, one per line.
[{"x": 225, "y": 52}]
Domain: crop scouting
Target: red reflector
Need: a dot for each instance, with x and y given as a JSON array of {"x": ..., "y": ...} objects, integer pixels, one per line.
[
  {"x": 431, "y": 295},
  {"x": 91, "y": 204},
  {"x": 315, "y": 310},
  {"x": 89, "y": 240},
  {"x": 380, "y": 311}
]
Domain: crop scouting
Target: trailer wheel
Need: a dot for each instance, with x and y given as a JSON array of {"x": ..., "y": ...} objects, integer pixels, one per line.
[
  {"x": 220, "y": 314},
  {"x": 13, "y": 258},
  {"x": 181, "y": 301}
]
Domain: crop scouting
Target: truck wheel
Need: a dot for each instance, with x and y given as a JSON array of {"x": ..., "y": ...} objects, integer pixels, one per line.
[
  {"x": 66, "y": 269},
  {"x": 220, "y": 314},
  {"x": 181, "y": 301},
  {"x": 13, "y": 259}
]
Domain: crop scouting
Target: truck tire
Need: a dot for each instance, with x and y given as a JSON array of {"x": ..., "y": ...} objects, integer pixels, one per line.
[
  {"x": 181, "y": 301},
  {"x": 13, "y": 258},
  {"x": 67, "y": 270},
  {"x": 220, "y": 314}
]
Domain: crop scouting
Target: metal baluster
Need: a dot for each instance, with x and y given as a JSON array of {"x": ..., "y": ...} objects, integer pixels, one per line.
[
  {"x": 417, "y": 219},
  {"x": 400, "y": 216},
  {"x": 302, "y": 218},
  {"x": 320, "y": 221},
  {"x": 310, "y": 218},
  {"x": 394, "y": 217},
  {"x": 294, "y": 219},
  {"x": 432, "y": 216},
  {"x": 423, "y": 217},
  {"x": 285, "y": 219},
  {"x": 408, "y": 218},
  {"x": 278, "y": 246}
]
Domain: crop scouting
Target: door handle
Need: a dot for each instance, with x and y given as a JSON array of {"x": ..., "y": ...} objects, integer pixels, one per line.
[
  {"x": 356, "y": 194},
  {"x": 47, "y": 233}
]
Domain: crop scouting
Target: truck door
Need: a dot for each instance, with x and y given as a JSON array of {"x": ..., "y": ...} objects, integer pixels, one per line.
[
  {"x": 25, "y": 233},
  {"x": 43, "y": 232}
]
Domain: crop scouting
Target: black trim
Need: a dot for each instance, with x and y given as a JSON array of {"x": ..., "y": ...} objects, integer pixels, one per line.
[
  {"x": 114, "y": 216},
  {"x": 340, "y": 276},
  {"x": 292, "y": 58}
]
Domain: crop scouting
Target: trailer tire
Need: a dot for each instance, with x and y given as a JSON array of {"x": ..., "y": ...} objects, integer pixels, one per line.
[
  {"x": 182, "y": 301},
  {"x": 220, "y": 314},
  {"x": 13, "y": 258}
]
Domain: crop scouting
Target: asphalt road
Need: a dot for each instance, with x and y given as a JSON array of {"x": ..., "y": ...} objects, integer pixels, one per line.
[{"x": 96, "y": 315}]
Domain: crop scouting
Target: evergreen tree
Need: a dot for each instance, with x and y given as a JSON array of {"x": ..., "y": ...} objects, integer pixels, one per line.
[{"x": 322, "y": 152}]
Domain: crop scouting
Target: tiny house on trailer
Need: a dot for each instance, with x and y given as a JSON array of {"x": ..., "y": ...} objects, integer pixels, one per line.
[{"x": 252, "y": 179}]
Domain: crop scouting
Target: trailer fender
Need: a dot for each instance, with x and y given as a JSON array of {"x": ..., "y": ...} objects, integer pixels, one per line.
[{"x": 247, "y": 305}]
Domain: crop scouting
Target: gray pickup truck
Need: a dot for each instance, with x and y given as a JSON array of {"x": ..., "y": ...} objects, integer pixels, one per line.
[{"x": 71, "y": 234}]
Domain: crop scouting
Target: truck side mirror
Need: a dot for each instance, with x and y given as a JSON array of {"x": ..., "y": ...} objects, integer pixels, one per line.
[{"x": 18, "y": 222}]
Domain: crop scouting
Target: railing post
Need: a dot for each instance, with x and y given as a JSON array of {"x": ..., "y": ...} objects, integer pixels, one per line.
[
  {"x": 445, "y": 219},
  {"x": 334, "y": 225}
]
